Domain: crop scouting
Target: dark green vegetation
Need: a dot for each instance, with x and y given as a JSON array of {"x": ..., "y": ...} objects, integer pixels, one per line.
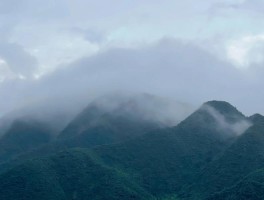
[
  {"x": 215, "y": 153},
  {"x": 244, "y": 156},
  {"x": 96, "y": 127},
  {"x": 23, "y": 136},
  {"x": 74, "y": 174},
  {"x": 250, "y": 187}
]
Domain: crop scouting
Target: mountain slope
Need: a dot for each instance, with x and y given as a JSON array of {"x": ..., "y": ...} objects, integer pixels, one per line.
[
  {"x": 23, "y": 136},
  {"x": 65, "y": 176},
  {"x": 101, "y": 123},
  {"x": 244, "y": 156},
  {"x": 160, "y": 164},
  {"x": 107, "y": 120},
  {"x": 250, "y": 187},
  {"x": 173, "y": 157},
  {"x": 118, "y": 118}
]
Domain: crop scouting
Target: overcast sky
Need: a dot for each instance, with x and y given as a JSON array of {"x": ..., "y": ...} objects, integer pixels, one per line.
[{"x": 190, "y": 50}]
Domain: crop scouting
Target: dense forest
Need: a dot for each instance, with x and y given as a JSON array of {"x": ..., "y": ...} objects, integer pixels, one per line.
[{"x": 123, "y": 153}]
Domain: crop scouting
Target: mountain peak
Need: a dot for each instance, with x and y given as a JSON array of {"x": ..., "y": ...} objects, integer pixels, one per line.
[
  {"x": 257, "y": 118},
  {"x": 218, "y": 117},
  {"x": 226, "y": 109}
]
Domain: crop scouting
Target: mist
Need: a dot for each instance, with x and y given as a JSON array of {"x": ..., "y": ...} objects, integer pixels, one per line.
[
  {"x": 59, "y": 56},
  {"x": 174, "y": 69},
  {"x": 230, "y": 128},
  {"x": 145, "y": 107},
  {"x": 137, "y": 99}
]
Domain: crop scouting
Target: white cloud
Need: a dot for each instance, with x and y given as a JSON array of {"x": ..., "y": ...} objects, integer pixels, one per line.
[
  {"x": 251, "y": 5},
  {"x": 5, "y": 72},
  {"x": 17, "y": 60},
  {"x": 246, "y": 51},
  {"x": 57, "y": 32},
  {"x": 236, "y": 128},
  {"x": 43, "y": 37},
  {"x": 170, "y": 68}
]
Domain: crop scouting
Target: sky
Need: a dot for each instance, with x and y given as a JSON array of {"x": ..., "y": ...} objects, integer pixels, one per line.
[{"x": 67, "y": 50}]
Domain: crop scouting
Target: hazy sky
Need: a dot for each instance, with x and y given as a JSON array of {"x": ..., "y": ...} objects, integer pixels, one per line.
[{"x": 190, "y": 50}]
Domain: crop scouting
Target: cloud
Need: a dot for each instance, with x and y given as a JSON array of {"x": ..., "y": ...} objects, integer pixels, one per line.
[
  {"x": 247, "y": 50},
  {"x": 57, "y": 32},
  {"x": 17, "y": 60},
  {"x": 145, "y": 107},
  {"x": 80, "y": 48},
  {"x": 254, "y": 7},
  {"x": 171, "y": 68},
  {"x": 89, "y": 34},
  {"x": 233, "y": 128}
]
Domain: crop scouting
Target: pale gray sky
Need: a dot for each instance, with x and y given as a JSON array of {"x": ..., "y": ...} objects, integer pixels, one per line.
[{"x": 189, "y": 50}]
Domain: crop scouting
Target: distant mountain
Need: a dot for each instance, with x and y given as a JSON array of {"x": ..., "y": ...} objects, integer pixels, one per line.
[
  {"x": 23, "y": 136},
  {"x": 74, "y": 174},
  {"x": 112, "y": 119},
  {"x": 230, "y": 112},
  {"x": 256, "y": 119},
  {"x": 215, "y": 153},
  {"x": 173, "y": 157},
  {"x": 115, "y": 119},
  {"x": 100, "y": 127},
  {"x": 244, "y": 156},
  {"x": 4, "y": 125},
  {"x": 250, "y": 187}
]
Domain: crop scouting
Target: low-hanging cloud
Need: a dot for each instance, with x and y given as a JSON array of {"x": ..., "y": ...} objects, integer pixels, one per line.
[
  {"x": 17, "y": 59},
  {"x": 171, "y": 68},
  {"x": 145, "y": 107},
  {"x": 231, "y": 128}
]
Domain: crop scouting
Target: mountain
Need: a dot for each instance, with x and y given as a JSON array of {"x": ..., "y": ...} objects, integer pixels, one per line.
[
  {"x": 162, "y": 161},
  {"x": 97, "y": 127},
  {"x": 210, "y": 154},
  {"x": 250, "y": 187},
  {"x": 170, "y": 158},
  {"x": 23, "y": 136},
  {"x": 114, "y": 119},
  {"x": 111, "y": 119},
  {"x": 256, "y": 119},
  {"x": 73, "y": 174},
  {"x": 244, "y": 156}
]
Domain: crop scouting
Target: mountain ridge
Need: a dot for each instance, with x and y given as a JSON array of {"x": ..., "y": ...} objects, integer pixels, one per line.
[{"x": 199, "y": 157}]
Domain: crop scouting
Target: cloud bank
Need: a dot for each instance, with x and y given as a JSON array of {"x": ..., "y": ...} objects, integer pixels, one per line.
[
  {"x": 65, "y": 53},
  {"x": 171, "y": 68}
]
